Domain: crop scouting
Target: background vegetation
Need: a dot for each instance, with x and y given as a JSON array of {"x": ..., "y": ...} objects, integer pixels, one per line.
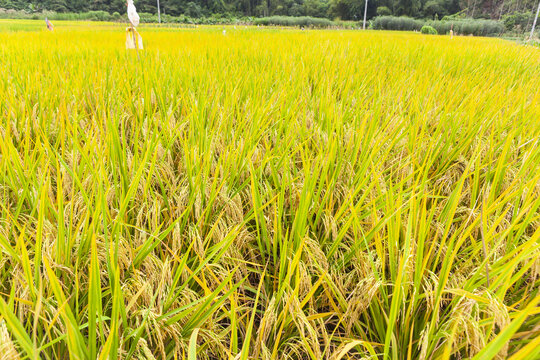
[
  {"x": 517, "y": 15},
  {"x": 294, "y": 21},
  {"x": 267, "y": 194},
  {"x": 460, "y": 26}
]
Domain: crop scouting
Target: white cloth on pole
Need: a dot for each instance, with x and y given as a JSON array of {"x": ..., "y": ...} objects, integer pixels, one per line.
[
  {"x": 132, "y": 13},
  {"x": 130, "y": 43}
]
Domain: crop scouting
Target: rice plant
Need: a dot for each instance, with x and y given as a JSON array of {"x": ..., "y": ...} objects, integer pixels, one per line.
[{"x": 268, "y": 194}]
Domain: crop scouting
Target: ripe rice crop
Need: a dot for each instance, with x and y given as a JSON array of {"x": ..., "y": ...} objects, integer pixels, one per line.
[{"x": 267, "y": 194}]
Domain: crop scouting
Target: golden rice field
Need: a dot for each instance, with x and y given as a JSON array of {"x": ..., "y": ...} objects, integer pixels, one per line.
[{"x": 267, "y": 194}]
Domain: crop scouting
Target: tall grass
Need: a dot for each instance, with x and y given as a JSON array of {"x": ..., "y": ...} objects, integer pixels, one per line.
[{"x": 268, "y": 194}]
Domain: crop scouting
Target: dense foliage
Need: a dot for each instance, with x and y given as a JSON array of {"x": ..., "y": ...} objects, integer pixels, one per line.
[
  {"x": 519, "y": 11},
  {"x": 397, "y": 23},
  {"x": 302, "y": 21},
  {"x": 428, "y": 30},
  {"x": 267, "y": 194},
  {"x": 469, "y": 27},
  {"x": 477, "y": 27}
]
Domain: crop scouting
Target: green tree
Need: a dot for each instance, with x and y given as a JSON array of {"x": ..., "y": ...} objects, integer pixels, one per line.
[
  {"x": 383, "y": 11},
  {"x": 56, "y": 5},
  {"x": 434, "y": 7},
  {"x": 347, "y": 9},
  {"x": 316, "y": 8},
  {"x": 408, "y": 7}
]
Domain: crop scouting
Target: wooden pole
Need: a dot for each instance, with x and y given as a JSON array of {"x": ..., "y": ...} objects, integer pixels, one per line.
[{"x": 135, "y": 40}]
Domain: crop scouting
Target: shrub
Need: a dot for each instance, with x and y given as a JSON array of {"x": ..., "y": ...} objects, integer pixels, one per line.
[
  {"x": 99, "y": 15},
  {"x": 294, "y": 21},
  {"x": 469, "y": 27},
  {"x": 474, "y": 27},
  {"x": 348, "y": 24},
  {"x": 147, "y": 17},
  {"x": 396, "y": 23},
  {"x": 426, "y": 29}
]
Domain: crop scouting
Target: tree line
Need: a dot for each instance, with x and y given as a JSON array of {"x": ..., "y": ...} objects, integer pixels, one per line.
[{"x": 332, "y": 9}]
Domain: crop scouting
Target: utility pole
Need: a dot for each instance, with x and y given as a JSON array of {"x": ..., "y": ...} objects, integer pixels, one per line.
[
  {"x": 365, "y": 15},
  {"x": 534, "y": 23},
  {"x": 158, "y": 12}
]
